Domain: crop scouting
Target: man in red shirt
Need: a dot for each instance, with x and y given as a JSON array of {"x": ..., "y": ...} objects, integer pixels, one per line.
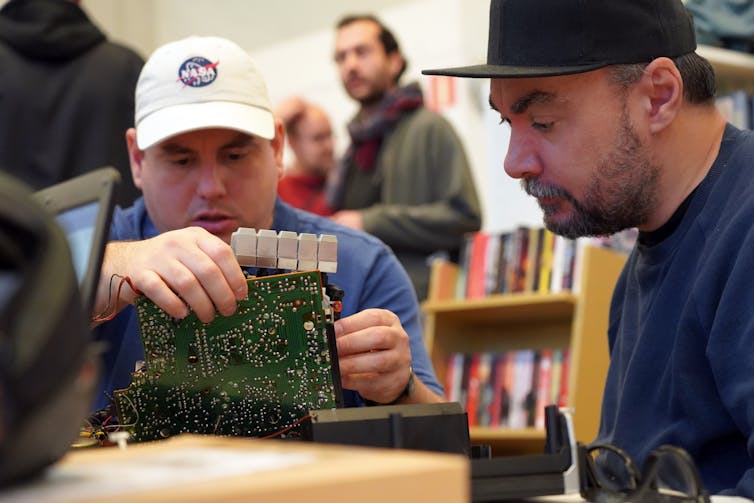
[{"x": 311, "y": 140}]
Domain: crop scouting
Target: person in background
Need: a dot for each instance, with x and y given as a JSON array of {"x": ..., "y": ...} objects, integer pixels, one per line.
[
  {"x": 68, "y": 95},
  {"x": 207, "y": 154},
  {"x": 310, "y": 138},
  {"x": 613, "y": 125},
  {"x": 405, "y": 177},
  {"x": 724, "y": 23}
]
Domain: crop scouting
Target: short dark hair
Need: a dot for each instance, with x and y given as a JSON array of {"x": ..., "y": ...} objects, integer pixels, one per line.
[
  {"x": 697, "y": 74},
  {"x": 386, "y": 37}
]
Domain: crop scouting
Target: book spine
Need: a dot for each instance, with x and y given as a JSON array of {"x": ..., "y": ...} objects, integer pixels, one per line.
[
  {"x": 463, "y": 266},
  {"x": 476, "y": 274},
  {"x": 564, "y": 381},
  {"x": 544, "y": 382},
  {"x": 498, "y": 388},
  {"x": 453, "y": 377},
  {"x": 472, "y": 396},
  {"x": 558, "y": 259},
  {"x": 492, "y": 263},
  {"x": 545, "y": 270},
  {"x": 519, "y": 260},
  {"x": 557, "y": 366},
  {"x": 485, "y": 390},
  {"x": 523, "y": 364}
]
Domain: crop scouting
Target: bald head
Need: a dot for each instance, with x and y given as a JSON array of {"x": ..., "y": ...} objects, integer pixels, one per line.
[{"x": 311, "y": 140}]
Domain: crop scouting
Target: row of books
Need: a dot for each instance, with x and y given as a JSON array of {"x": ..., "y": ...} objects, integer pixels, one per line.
[
  {"x": 509, "y": 389},
  {"x": 528, "y": 259}
]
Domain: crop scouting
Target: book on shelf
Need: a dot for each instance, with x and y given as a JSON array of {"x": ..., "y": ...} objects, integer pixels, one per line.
[
  {"x": 543, "y": 394},
  {"x": 500, "y": 399},
  {"x": 472, "y": 389},
  {"x": 532, "y": 266},
  {"x": 556, "y": 376},
  {"x": 492, "y": 263},
  {"x": 484, "y": 379},
  {"x": 476, "y": 276},
  {"x": 503, "y": 252},
  {"x": 558, "y": 263},
  {"x": 522, "y": 385},
  {"x": 463, "y": 266},
  {"x": 545, "y": 261},
  {"x": 519, "y": 260},
  {"x": 563, "y": 385},
  {"x": 453, "y": 377},
  {"x": 443, "y": 278},
  {"x": 463, "y": 394}
]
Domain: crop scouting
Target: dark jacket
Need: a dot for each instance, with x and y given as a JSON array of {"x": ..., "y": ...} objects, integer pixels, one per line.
[
  {"x": 66, "y": 96},
  {"x": 421, "y": 198}
]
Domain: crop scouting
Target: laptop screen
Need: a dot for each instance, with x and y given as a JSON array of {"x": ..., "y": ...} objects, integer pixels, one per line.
[
  {"x": 83, "y": 207},
  {"x": 78, "y": 224}
]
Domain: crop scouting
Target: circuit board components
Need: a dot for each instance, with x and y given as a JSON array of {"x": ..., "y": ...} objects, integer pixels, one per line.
[{"x": 252, "y": 374}]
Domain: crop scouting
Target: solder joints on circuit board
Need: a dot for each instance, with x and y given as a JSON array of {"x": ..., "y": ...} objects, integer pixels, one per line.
[{"x": 248, "y": 374}]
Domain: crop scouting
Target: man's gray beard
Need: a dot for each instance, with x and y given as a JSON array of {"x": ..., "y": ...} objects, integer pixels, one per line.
[{"x": 621, "y": 195}]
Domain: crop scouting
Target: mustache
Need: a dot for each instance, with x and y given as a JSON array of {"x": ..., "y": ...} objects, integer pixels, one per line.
[{"x": 535, "y": 188}]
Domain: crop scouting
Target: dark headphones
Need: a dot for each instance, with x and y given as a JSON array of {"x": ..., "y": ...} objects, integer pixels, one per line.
[{"x": 48, "y": 369}]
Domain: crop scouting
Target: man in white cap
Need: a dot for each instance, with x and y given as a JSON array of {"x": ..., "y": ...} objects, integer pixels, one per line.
[{"x": 207, "y": 154}]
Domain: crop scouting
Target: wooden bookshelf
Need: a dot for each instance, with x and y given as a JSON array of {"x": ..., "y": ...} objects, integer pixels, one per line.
[
  {"x": 734, "y": 69},
  {"x": 525, "y": 320}
]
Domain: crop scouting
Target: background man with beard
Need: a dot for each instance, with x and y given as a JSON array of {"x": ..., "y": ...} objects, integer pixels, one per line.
[
  {"x": 613, "y": 125},
  {"x": 310, "y": 137},
  {"x": 405, "y": 178}
]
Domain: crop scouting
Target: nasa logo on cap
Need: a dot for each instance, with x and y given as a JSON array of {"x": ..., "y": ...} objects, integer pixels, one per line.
[{"x": 197, "y": 72}]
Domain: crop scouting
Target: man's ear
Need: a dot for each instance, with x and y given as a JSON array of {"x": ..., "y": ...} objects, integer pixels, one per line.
[
  {"x": 663, "y": 86},
  {"x": 395, "y": 62},
  {"x": 135, "y": 156},
  {"x": 278, "y": 145}
]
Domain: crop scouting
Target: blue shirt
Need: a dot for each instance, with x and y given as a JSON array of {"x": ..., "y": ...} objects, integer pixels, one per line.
[
  {"x": 368, "y": 273},
  {"x": 681, "y": 331}
]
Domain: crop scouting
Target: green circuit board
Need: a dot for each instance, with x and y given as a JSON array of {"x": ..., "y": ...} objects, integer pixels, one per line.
[{"x": 250, "y": 374}]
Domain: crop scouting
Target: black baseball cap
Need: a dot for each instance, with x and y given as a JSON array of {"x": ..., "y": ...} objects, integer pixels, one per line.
[{"x": 541, "y": 38}]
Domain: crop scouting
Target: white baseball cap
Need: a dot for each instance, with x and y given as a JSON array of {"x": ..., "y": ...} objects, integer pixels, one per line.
[{"x": 198, "y": 83}]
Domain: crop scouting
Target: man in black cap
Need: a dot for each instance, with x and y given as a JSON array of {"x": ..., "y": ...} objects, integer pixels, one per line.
[{"x": 613, "y": 125}]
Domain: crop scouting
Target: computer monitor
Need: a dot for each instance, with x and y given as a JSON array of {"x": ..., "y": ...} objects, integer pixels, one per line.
[{"x": 83, "y": 207}]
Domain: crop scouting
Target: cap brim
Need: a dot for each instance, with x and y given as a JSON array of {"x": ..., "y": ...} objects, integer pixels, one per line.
[
  {"x": 171, "y": 121},
  {"x": 511, "y": 71}
]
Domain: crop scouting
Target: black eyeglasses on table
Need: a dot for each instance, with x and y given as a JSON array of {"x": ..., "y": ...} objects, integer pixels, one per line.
[{"x": 608, "y": 475}]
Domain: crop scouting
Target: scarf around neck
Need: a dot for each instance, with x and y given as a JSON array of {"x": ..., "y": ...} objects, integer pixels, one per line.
[{"x": 368, "y": 133}]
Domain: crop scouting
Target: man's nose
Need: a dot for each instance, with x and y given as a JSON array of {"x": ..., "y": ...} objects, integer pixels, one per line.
[
  {"x": 211, "y": 182},
  {"x": 522, "y": 160}
]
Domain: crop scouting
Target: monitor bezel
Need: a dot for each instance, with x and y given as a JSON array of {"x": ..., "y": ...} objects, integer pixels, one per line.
[{"x": 98, "y": 186}]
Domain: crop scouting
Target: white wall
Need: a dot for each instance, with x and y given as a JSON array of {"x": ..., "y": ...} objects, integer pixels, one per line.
[{"x": 292, "y": 42}]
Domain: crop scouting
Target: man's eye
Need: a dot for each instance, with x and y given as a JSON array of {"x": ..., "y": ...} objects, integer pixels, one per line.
[
  {"x": 180, "y": 161},
  {"x": 542, "y": 126},
  {"x": 235, "y": 155}
]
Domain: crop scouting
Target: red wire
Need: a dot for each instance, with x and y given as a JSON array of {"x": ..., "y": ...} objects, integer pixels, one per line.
[
  {"x": 109, "y": 314},
  {"x": 288, "y": 428}
]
